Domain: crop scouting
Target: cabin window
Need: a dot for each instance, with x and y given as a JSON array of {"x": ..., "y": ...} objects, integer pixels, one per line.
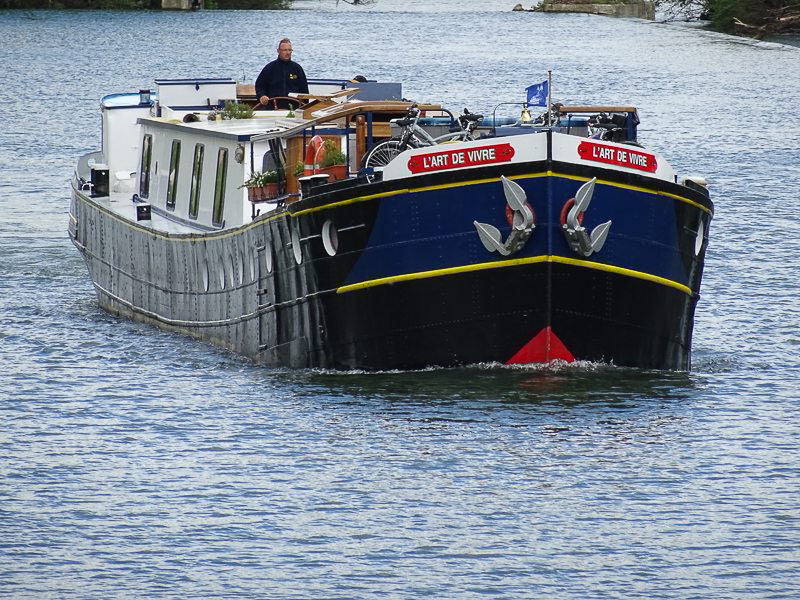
[
  {"x": 197, "y": 178},
  {"x": 275, "y": 160},
  {"x": 269, "y": 163},
  {"x": 144, "y": 168},
  {"x": 172, "y": 182},
  {"x": 219, "y": 186}
]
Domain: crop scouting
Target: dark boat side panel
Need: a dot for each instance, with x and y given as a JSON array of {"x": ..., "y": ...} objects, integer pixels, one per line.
[
  {"x": 489, "y": 316},
  {"x": 469, "y": 317},
  {"x": 602, "y": 316}
]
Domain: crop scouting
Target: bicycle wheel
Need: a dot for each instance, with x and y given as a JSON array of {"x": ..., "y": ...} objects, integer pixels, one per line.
[{"x": 382, "y": 154}]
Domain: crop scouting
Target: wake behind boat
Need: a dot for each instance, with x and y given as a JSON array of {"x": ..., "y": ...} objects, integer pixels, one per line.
[{"x": 442, "y": 240}]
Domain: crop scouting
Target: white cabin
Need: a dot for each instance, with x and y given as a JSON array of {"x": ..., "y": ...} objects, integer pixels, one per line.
[{"x": 160, "y": 149}]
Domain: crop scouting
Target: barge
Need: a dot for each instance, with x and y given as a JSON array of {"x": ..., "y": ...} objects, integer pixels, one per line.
[{"x": 524, "y": 242}]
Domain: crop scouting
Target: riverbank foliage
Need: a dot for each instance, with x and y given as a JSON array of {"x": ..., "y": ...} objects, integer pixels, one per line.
[
  {"x": 749, "y": 17},
  {"x": 67, "y": 4},
  {"x": 247, "y": 4},
  {"x": 141, "y": 4}
]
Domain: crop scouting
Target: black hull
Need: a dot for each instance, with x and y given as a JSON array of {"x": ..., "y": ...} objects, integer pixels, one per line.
[{"x": 481, "y": 317}]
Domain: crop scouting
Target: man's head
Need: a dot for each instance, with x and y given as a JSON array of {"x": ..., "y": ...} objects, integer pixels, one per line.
[{"x": 285, "y": 49}]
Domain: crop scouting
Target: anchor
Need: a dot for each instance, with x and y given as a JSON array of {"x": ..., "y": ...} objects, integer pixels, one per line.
[
  {"x": 522, "y": 224},
  {"x": 578, "y": 239}
]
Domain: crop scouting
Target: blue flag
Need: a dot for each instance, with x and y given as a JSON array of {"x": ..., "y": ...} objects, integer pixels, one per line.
[{"x": 537, "y": 94}]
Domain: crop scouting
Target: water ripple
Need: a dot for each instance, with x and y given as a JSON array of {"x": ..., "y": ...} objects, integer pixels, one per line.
[{"x": 140, "y": 463}]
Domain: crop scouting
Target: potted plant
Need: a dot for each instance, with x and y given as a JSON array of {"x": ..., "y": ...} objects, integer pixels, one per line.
[
  {"x": 236, "y": 110},
  {"x": 261, "y": 186},
  {"x": 333, "y": 162}
]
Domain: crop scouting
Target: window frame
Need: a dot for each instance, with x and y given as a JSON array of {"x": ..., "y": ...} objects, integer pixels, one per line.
[
  {"x": 144, "y": 169},
  {"x": 218, "y": 211},
  {"x": 197, "y": 180},
  {"x": 172, "y": 176}
]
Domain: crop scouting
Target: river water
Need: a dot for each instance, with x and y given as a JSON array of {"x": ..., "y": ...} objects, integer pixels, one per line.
[{"x": 138, "y": 463}]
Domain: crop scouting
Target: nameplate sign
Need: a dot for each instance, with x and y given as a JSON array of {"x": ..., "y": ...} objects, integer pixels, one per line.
[
  {"x": 622, "y": 157},
  {"x": 458, "y": 158}
]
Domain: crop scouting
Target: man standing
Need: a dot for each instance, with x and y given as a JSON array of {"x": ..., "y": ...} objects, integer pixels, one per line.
[{"x": 281, "y": 77}]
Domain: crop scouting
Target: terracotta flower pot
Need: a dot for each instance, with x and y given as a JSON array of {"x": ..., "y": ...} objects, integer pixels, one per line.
[
  {"x": 270, "y": 190},
  {"x": 254, "y": 194},
  {"x": 260, "y": 194},
  {"x": 337, "y": 172}
]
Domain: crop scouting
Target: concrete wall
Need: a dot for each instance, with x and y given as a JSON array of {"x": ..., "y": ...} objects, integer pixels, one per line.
[
  {"x": 181, "y": 4},
  {"x": 640, "y": 9}
]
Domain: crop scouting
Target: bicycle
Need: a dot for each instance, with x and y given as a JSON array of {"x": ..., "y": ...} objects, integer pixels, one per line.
[
  {"x": 414, "y": 136},
  {"x": 608, "y": 127}
]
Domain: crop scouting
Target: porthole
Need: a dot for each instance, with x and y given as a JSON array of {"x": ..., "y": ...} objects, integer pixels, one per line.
[
  {"x": 221, "y": 273},
  {"x": 253, "y": 259},
  {"x": 330, "y": 238},
  {"x": 241, "y": 267},
  {"x": 296, "y": 249},
  {"x": 698, "y": 242}
]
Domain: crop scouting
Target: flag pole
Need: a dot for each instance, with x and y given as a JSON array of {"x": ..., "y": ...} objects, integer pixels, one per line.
[{"x": 549, "y": 94}]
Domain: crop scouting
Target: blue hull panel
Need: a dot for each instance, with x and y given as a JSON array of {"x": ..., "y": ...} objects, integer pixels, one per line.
[{"x": 427, "y": 230}]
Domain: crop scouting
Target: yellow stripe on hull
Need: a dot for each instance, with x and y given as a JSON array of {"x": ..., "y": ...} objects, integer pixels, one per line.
[{"x": 513, "y": 263}]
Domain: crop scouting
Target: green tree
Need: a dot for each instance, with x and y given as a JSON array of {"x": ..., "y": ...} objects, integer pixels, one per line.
[{"x": 752, "y": 17}]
